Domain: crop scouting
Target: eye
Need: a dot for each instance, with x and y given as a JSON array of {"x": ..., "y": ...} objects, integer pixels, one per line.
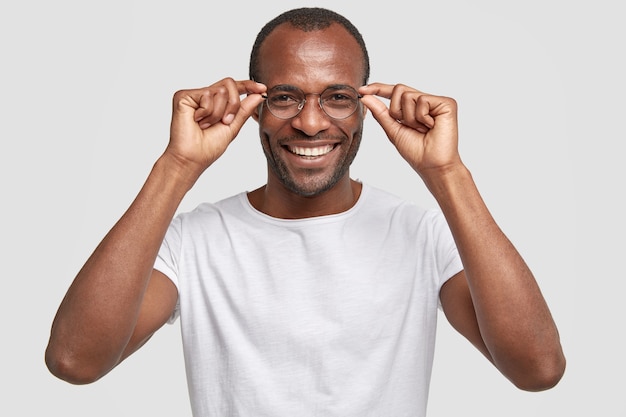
[
  {"x": 283, "y": 99},
  {"x": 339, "y": 99},
  {"x": 339, "y": 96}
]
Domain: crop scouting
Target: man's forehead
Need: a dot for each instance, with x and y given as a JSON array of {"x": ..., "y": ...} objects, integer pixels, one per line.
[
  {"x": 287, "y": 34},
  {"x": 330, "y": 55},
  {"x": 288, "y": 42}
]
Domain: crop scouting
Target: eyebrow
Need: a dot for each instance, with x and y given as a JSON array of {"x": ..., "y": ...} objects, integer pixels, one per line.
[
  {"x": 285, "y": 87},
  {"x": 289, "y": 87}
]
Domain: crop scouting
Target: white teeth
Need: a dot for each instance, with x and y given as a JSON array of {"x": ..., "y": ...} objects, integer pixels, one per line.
[{"x": 318, "y": 151}]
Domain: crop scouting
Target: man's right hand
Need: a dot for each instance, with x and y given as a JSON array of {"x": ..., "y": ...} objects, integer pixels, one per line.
[{"x": 206, "y": 120}]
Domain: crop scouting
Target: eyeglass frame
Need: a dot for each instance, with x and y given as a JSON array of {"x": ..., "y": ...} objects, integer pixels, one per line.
[{"x": 302, "y": 103}]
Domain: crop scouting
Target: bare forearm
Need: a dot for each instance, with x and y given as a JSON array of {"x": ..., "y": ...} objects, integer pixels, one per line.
[
  {"x": 513, "y": 317},
  {"x": 97, "y": 316}
]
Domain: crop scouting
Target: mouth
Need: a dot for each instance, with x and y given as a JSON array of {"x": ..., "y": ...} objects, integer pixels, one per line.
[{"x": 310, "y": 151}]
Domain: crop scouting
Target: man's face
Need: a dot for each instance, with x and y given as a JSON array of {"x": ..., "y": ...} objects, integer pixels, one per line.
[{"x": 310, "y": 152}]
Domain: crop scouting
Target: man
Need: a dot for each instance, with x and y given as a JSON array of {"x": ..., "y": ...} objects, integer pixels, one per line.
[{"x": 314, "y": 294}]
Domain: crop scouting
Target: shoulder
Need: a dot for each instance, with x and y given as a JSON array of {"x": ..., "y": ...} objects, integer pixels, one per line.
[
  {"x": 409, "y": 216},
  {"x": 392, "y": 205},
  {"x": 232, "y": 204}
]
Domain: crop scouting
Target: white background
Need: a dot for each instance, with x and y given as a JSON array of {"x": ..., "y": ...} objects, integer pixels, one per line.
[{"x": 85, "y": 102}]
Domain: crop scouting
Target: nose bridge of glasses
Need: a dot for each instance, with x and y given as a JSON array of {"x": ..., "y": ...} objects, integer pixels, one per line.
[{"x": 304, "y": 100}]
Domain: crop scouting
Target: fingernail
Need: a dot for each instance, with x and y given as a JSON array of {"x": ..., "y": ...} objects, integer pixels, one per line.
[{"x": 228, "y": 118}]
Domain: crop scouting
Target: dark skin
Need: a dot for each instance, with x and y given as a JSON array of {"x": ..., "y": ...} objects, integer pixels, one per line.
[{"x": 117, "y": 300}]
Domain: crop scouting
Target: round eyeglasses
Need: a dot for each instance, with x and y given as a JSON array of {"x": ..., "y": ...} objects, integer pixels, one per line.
[{"x": 287, "y": 101}]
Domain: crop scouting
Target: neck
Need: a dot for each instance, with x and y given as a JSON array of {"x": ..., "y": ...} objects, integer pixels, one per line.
[{"x": 277, "y": 201}]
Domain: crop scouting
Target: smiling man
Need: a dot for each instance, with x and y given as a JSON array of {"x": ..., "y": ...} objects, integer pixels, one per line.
[
  {"x": 314, "y": 295},
  {"x": 310, "y": 137}
]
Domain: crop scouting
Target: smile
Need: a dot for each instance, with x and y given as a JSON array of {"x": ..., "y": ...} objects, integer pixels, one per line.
[{"x": 308, "y": 151}]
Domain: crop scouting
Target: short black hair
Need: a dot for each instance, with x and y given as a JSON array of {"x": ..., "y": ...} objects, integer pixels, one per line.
[{"x": 307, "y": 19}]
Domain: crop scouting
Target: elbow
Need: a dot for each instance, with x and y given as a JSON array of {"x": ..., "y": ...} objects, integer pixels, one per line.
[
  {"x": 67, "y": 367},
  {"x": 542, "y": 376}
]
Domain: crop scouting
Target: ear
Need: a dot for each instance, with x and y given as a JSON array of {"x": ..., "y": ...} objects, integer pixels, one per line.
[{"x": 256, "y": 114}]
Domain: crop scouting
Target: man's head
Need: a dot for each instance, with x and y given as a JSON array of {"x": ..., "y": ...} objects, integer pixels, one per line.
[{"x": 301, "y": 54}]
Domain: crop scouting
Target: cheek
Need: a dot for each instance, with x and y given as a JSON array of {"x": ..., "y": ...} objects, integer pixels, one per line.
[
  {"x": 356, "y": 129},
  {"x": 265, "y": 126},
  {"x": 271, "y": 128},
  {"x": 269, "y": 132}
]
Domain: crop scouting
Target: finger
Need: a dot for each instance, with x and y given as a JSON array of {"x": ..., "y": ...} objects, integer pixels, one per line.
[
  {"x": 212, "y": 102},
  {"x": 377, "y": 89},
  {"x": 219, "y": 102},
  {"x": 226, "y": 100},
  {"x": 205, "y": 108},
  {"x": 381, "y": 113},
  {"x": 246, "y": 109},
  {"x": 212, "y": 114},
  {"x": 431, "y": 109},
  {"x": 390, "y": 122},
  {"x": 235, "y": 89},
  {"x": 251, "y": 87},
  {"x": 386, "y": 90},
  {"x": 234, "y": 101},
  {"x": 231, "y": 90},
  {"x": 423, "y": 107},
  {"x": 190, "y": 103},
  {"x": 414, "y": 111},
  {"x": 402, "y": 105}
]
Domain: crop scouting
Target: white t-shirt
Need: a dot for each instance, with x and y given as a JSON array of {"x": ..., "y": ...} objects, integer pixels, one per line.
[{"x": 325, "y": 316}]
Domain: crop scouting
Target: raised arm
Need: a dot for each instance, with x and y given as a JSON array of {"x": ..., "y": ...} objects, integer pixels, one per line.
[
  {"x": 495, "y": 302},
  {"x": 117, "y": 301}
]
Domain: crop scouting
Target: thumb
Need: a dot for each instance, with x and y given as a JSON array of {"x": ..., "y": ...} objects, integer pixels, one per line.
[
  {"x": 247, "y": 107},
  {"x": 381, "y": 113}
]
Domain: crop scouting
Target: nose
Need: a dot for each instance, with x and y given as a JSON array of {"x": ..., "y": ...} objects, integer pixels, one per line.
[{"x": 311, "y": 120}]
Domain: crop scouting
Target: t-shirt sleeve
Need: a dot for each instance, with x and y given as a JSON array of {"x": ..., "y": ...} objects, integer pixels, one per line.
[
  {"x": 448, "y": 259},
  {"x": 168, "y": 258}
]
